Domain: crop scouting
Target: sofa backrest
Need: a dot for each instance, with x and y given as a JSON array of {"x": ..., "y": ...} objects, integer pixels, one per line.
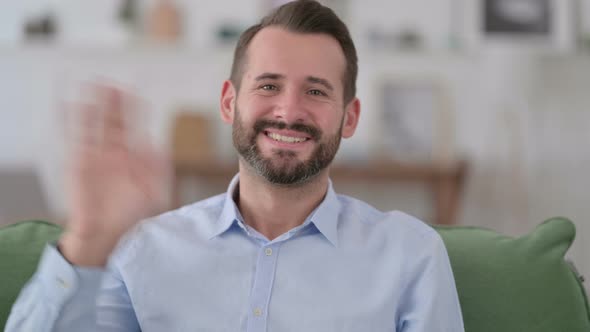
[
  {"x": 517, "y": 284},
  {"x": 504, "y": 284}
]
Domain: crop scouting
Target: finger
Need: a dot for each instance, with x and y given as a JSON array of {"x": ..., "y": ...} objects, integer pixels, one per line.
[
  {"x": 154, "y": 174},
  {"x": 114, "y": 127},
  {"x": 81, "y": 123},
  {"x": 117, "y": 110},
  {"x": 82, "y": 134},
  {"x": 137, "y": 121},
  {"x": 90, "y": 125}
]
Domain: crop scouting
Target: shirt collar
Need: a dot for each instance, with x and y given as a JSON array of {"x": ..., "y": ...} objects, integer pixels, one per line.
[
  {"x": 230, "y": 213},
  {"x": 324, "y": 217}
]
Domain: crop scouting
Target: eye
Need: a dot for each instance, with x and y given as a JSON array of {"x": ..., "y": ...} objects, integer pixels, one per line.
[
  {"x": 316, "y": 92},
  {"x": 268, "y": 87}
]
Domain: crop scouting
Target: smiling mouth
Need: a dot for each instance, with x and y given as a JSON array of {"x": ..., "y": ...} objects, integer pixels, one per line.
[{"x": 286, "y": 139}]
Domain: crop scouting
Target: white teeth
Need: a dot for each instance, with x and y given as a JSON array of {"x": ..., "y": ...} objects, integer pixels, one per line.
[{"x": 286, "y": 139}]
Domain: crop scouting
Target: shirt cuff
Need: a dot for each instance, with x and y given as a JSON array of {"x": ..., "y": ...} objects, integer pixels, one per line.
[{"x": 61, "y": 280}]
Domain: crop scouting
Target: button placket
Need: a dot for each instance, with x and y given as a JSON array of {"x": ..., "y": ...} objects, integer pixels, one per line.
[{"x": 262, "y": 287}]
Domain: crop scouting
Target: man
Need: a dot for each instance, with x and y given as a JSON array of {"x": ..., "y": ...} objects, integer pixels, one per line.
[{"x": 280, "y": 251}]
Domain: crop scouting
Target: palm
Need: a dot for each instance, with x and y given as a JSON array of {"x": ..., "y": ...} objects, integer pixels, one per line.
[{"x": 112, "y": 185}]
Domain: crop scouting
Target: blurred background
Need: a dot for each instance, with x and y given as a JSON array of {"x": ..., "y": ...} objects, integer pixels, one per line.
[{"x": 475, "y": 112}]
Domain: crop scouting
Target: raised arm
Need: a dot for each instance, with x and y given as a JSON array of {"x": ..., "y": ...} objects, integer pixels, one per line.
[{"x": 112, "y": 185}]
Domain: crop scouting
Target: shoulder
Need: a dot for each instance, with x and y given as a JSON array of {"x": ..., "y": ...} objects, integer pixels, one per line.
[
  {"x": 392, "y": 224},
  {"x": 199, "y": 213},
  {"x": 193, "y": 221}
]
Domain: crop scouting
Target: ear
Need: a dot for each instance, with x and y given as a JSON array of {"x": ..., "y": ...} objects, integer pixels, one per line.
[
  {"x": 352, "y": 111},
  {"x": 227, "y": 104}
]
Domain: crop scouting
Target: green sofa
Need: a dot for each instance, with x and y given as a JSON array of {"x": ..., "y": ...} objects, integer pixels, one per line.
[{"x": 505, "y": 284}]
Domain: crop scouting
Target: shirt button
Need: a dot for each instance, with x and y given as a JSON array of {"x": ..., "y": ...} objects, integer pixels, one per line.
[
  {"x": 257, "y": 312},
  {"x": 63, "y": 283},
  {"x": 268, "y": 251}
]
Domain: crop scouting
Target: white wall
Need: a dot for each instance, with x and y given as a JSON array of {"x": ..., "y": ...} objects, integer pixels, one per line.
[{"x": 521, "y": 117}]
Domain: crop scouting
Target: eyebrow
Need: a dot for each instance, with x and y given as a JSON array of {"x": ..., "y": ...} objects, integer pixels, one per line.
[
  {"x": 269, "y": 76},
  {"x": 318, "y": 80},
  {"x": 310, "y": 79}
]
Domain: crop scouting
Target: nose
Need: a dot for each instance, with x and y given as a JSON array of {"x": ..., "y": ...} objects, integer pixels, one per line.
[{"x": 290, "y": 108}]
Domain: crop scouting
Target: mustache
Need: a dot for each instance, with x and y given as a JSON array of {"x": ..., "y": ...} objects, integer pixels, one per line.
[{"x": 261, "y": 125}]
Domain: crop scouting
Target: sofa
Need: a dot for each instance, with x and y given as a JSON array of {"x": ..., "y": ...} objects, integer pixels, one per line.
[{"x": 504, "y": 284}]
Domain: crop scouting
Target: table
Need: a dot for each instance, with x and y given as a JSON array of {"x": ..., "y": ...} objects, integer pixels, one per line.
[{"x": 445, "y": 182}]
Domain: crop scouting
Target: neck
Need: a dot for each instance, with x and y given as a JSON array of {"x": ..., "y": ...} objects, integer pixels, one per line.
[{"x": 274, "y": 209}]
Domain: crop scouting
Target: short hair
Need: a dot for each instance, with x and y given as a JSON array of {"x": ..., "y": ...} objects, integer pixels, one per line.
[{"x": 303, "y": 16}]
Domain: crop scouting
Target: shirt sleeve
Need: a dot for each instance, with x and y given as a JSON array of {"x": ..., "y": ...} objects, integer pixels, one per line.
[
  {"x": 62, "y": 297},
  {"x": 430, "y": 301}
]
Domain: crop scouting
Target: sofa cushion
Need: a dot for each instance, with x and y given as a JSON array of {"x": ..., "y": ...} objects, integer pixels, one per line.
[
  {"x": 21, "y": 246},
  {"x": 517, "y": 284}
]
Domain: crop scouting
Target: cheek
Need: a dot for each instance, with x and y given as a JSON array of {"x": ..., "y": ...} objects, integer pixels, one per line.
[
  {"x": 254, "y": 109},
  {"x": 330, "y": 120}
]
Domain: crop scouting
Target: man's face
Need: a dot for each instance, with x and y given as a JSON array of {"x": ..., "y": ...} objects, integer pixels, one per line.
[
  {"x": 283, "y": 165},
  {"x": 288, "y": 115}
]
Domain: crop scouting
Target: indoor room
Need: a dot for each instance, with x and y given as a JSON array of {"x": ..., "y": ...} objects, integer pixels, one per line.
[{"x": 474, "y": 114}]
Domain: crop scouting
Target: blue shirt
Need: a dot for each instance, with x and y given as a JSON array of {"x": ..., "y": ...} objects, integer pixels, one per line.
[{"x": 348, "y": 267}]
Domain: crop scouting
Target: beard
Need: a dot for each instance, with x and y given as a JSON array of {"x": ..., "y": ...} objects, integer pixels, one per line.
[{"x": 283, "y": 167}]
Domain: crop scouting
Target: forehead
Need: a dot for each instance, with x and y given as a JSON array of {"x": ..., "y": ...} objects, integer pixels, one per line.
[{"x": 295, "y": 55}]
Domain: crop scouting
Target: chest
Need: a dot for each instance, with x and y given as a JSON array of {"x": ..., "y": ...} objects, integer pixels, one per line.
[{"x": 313, "y": 287}]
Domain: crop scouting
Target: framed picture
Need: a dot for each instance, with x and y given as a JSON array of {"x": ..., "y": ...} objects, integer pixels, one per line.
[
  {"x": 546, "y": 25},
  {"x": 520, "y": 17},
  {"x": 416, "y": 121}
]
